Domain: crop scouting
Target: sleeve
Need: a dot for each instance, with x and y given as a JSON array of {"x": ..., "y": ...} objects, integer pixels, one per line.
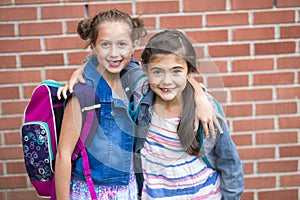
[{"x": 228, "y": 164}]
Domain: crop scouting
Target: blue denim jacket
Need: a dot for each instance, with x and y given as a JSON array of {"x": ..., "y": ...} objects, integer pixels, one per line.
[
  {"x": 223, "y": 156},
  {"x": 111, "y": 149}
]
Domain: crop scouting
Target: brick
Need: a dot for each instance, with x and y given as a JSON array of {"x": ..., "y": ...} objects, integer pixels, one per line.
[
  {"x": 230, "y": 80},
  {"x": 277, "y": 166},
  {"x": 274, "y": 78},
  {"x": 227, "y": 19},
  {"x": 19, "y": 45},
  {"x": 11, "y": 153},
  {"x": 15, "y": 167},
  {"x": 35, "y": 1},
  {"x": 58, "y": 12},
  {"x": 28, "y": 90},
  {"x": 239, "y": 110},
  {"x": 253, "y": 34},
  {"x": 288, "y": 63},
  {"x": 288, "y": 92},
  {"x": 288, "y": 3},
  {"x": 290, "y": 32},
  {"x": 23, "y": 194},
  {"x": 242, "y": 140},
  {"x": 7, "y": 123},
  {"x": 289, "y": 122},
  {"x": 7, "y": 30},
  {"x": 23, "y": 76},
  {"x": 274, "y": 17},
  {"x": 260, "y": 182},
  {"x": 253, "y": 124},
  {"x": 289, "y": 151},
  {"x": 63, "y": 43},
  {"x": 72, "y": 26},
  {"x": 248, "y": 168},
  {"x": 204, "y": 5},
  {"x": 247, "y": 195},
  {"x": 59, "y": 74},
  {"x": 41, "y": 60},
  {"x": 208, "y": 36},
  {"x": 11, "y": 108},
  {"x": 157, "y": 7},
  {"x": 256, "y": 64},
  {"x": 8, "y": 62},
  {"x": 9, "y": 93},
  {"x": 13, "y": 182},
  {"x": 274, "y": 48},
  {"x": 20, "y": 13},
  {"x": 12, "y": 138},
  {"x": 282, "y": 137},
  {"x": 278, "y": 194},
  {"x": 249, "y": 5},
  {"x": 40, "y": 28},
  {"x": 76, "y": 58},
  {"x": 251, "y": 95},
  {"x": 5, "y": 2},
  {"x": 209, "y": 67},
  {"x": 122, "y": 6},
  {"x": 290, "y": 180},
  {"x": 229, "y": 50},
  {"x": 276, "y": 108},
  {"x": 149, "y": 22},
  {"x": 256, "y": 153},
  {"x": 186, "y": 21}
]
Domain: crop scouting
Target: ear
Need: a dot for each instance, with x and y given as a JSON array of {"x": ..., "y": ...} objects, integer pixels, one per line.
[{"x": 135, "y": 43}]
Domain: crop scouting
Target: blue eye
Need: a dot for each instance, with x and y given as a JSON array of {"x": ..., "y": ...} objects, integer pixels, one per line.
[
  {"x": 122, "y": 44},
  {"x": 105, "y": 44},
  {"x": 157, "y": 72}
]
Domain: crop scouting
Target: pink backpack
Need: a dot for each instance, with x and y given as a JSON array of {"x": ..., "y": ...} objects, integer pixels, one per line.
[{"x": 40, "y": 132}]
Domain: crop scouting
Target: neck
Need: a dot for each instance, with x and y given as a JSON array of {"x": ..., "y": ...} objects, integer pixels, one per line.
[
  {"x": 167, "y": 109},
  {"x": 114, "y": 81}
]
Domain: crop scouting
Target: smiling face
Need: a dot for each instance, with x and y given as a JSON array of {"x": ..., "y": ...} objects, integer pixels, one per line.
[
  {"x": 167, "y": 76},
  {"x": 114, "y": 46}
]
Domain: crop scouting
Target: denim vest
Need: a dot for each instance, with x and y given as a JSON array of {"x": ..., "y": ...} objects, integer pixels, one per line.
[{"x": 110, "y": 151}]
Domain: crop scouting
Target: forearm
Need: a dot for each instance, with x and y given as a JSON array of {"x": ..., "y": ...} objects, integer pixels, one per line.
[
  {"x": 62, "y": 176},
  {"x": 197, "y": 87}
]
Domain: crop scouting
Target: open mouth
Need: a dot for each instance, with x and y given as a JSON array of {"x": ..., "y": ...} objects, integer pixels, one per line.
[
  {"x": 166, "y": 89},
  {"x": 115, "y": 63}
]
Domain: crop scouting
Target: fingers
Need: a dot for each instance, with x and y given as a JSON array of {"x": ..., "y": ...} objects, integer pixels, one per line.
[
  {"x": 218, "y": 125},
  {"x": 205, "y": 129},
  {"x": 65, "y": 91},
  {"x": 212, "y": 129},
  {"x": 58, "y": 93},
  {"x": 196, "y": 124}
]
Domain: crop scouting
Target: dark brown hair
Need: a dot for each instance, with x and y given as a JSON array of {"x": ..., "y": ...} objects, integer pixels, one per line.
[
  {"x": 175, "y": 42},
  {"x": 88, "y": 28}
]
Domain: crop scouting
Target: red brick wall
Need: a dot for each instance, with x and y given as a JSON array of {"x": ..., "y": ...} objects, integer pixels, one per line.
[{"x": 250, "y": 58}]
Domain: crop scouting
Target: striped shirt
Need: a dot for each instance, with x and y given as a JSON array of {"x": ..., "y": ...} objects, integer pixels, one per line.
[{"x": 169, "y": 172}]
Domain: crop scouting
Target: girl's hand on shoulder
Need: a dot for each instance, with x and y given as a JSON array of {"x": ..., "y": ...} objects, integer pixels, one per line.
[
  {"x": 76, "y": 77},
  {"x": 208, "y": 116},
  {"x": 205, "y": 112}
]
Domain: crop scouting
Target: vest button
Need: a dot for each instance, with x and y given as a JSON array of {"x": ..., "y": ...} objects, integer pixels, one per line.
[{"x": 112, "y": 113}]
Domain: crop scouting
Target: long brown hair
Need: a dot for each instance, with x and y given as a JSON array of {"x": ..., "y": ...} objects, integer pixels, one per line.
[{"x": 175, "y": 42}]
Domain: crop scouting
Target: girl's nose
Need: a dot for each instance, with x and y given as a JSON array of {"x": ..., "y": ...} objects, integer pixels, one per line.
[
  {"x": 114, "y": 51},
  {"x": 167, "y": 79}
]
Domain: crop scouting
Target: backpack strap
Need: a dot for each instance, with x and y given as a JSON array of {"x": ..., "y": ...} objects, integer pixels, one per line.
[
  {"x": 89, "y": 103},
  {"x": 201, "y": 140}
]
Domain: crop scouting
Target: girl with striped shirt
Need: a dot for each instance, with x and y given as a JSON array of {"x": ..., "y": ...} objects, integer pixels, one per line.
[{"x": 171, "y": 156}]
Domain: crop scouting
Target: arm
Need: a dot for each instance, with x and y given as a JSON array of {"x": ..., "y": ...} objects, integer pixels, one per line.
[
  {"x": 70, "y": 131},
  {"x": 205, "y": 112}
]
